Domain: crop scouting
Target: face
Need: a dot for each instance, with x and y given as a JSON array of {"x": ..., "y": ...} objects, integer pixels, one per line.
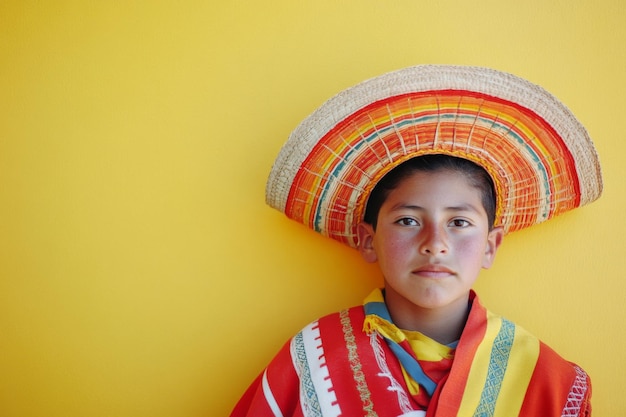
[{"x": 431, "y": 241}]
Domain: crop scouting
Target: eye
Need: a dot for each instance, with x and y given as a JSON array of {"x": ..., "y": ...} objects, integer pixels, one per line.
[
  {"x": 407, "y": 221},
  {"x": 461, "y": 223}
]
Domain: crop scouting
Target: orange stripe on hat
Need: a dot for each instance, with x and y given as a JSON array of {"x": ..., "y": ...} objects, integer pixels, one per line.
[{"x": 540, "y": 157}]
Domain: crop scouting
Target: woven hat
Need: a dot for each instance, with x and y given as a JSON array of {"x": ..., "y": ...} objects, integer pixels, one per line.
[{"x": 539, "y": 156}]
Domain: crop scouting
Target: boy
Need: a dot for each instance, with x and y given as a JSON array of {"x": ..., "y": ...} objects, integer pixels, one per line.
[{"x": 424, "y": 170}]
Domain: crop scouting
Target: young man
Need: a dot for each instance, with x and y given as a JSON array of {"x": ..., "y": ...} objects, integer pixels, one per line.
[{"x": 424, "y": 170}]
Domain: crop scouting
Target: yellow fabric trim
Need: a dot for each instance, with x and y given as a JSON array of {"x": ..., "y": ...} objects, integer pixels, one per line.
[
  {"x": 414, "y": 387},
  {"x": 478, "y": 371},
  {"x": 425, "y": 348},
  {"x": 524, "y": 353}
]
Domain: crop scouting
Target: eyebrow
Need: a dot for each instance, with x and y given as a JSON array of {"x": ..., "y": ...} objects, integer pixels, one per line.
[{"x": 460, "y": 207}]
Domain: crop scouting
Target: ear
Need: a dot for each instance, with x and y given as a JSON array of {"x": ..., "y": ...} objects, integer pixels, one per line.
[
  {"x": 494, "y": 239},
  {"x": 365, "y": 233}
]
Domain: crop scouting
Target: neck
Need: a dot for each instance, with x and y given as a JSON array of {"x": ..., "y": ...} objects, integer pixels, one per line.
[{"x": 444, "y": 324}]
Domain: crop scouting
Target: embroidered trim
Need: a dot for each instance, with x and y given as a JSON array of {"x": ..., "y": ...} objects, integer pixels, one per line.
[
  {"x": 394, "y": 386},
  {"x": 497, "y": 367},
  {"x": 576, "y": 395},
  {"x": 308, "y": 396},
  {"x": 355, "y": 365},
  {"x": 317, "y": 395}
]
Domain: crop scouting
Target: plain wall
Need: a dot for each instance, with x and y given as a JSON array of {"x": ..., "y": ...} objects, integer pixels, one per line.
[{"x": 142, "y": 274}]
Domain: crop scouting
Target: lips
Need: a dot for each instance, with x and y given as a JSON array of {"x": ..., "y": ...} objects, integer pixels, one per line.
[{"x": 433, "y": 271}]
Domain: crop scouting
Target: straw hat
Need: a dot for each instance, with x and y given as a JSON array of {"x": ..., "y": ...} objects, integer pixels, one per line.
[{"x": 539, "y": 156}]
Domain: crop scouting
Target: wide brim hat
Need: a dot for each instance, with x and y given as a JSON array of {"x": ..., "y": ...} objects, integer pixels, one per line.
[{"x": 540, "y": 157}]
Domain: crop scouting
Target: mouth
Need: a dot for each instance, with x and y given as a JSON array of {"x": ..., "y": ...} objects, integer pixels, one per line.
[{"x": 433, "y": 271}]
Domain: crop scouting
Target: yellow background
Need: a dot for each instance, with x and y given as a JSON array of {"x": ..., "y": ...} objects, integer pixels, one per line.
[{"x": 141, "y": 273}]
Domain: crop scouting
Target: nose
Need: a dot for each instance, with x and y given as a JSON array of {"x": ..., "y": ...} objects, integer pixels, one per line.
[{"x": 433, "y": 241}]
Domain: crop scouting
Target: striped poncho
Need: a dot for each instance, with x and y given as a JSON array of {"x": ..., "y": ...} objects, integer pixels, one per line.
[{"x": 334, "y": 368}]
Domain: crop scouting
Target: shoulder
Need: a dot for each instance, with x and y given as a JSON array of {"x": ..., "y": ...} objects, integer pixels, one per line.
[
  {"x": 559, "y": 384},
  {"x": 552, "y": 381},
  {"x": 499, "y": 330},
  {"x": 321, "y": 333},
  {"x": 334, "y": 325},
  {"x": 330, "y": 336}
]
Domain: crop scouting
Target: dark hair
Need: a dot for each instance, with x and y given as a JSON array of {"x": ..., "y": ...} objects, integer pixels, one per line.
[{"x": 477, "y": 175}]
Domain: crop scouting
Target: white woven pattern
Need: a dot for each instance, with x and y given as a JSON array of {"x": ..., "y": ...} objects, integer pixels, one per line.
[
  {"x": 576, "y": 395},
  {"x": 394, "y": 385}
]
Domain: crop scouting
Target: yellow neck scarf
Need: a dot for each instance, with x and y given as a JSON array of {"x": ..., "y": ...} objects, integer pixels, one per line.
[{"x": 410, "y": 347}]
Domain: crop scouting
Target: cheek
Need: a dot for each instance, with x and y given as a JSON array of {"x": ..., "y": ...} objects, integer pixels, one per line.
[
  {"x": 472, "y": 249},
  {"x": 395, "y": 248}
]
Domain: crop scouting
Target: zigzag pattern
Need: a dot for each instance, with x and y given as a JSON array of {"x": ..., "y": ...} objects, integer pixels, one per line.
[
  {"x": 497, "y": 368},
  {"x": 576, "y": 394},
  {"x": 310, "y": 402}
]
